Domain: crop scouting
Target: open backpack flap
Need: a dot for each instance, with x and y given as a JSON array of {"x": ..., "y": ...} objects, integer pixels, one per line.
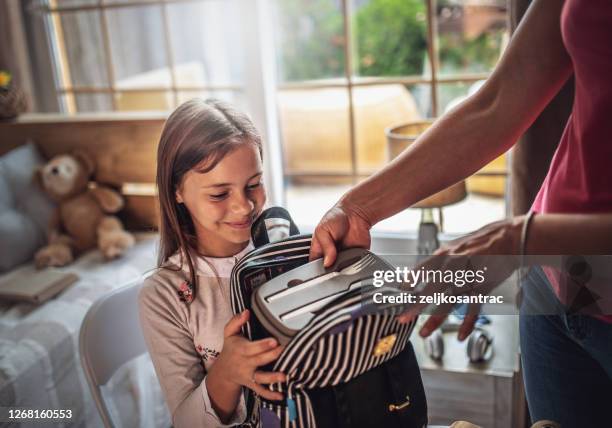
[
  {"x": 342, "y": 339},
  {"x": 258, "y": 267}
]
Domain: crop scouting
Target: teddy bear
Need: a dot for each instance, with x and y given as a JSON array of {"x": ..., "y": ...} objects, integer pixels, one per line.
[{"x": 83, "y": 218}]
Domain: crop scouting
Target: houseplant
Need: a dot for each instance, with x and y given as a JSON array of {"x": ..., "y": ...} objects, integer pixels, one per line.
[{"x": 12, "y": 99}]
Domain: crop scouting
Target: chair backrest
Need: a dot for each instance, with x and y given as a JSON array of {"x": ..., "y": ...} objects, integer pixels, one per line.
[{"x": 110, "y": 336}]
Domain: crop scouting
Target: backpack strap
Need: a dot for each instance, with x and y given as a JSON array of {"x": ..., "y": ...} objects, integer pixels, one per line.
[{"x": 272, "y": 225}]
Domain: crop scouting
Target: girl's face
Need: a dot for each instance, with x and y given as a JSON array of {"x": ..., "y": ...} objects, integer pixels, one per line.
[{"x": 224, "y": 201}]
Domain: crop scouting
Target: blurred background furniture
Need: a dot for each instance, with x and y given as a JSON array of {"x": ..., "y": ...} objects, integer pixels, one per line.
[
  {"x": 123, "y": 145},
  {"x": 314, "y": 121},
  {"x": 320, "y": 115},
  {"x": 489, "y": 394},
  {"x": 39, "y": 345},
  {"x": 398, "y": 139},
  {"x": 40, "y": 367}
]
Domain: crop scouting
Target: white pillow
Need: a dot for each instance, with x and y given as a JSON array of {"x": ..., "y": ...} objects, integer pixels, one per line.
[{"x": 25, "y": 209}]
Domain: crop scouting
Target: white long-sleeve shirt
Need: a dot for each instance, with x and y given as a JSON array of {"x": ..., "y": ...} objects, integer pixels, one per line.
[{"x": 184, "y": 339}]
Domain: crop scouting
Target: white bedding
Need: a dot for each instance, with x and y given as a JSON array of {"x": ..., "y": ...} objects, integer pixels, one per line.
[{"x": 39, "y": 361}]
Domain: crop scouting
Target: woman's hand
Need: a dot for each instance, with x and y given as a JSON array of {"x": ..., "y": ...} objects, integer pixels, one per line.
[
  {"x": 493, "y": 248},
  {"x": 238, "y": 361},
  {"x": 343, "y": 225}
]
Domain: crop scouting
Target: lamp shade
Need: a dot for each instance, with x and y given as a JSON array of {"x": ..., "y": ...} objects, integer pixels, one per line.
[{"x": 401, "y": 136}]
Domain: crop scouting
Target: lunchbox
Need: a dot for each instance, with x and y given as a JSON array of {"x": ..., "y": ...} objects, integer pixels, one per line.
[{"x": 284, "y": 305}]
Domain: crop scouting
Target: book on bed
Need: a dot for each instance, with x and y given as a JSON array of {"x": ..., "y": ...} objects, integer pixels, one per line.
[{"x": 35, "y": 286}]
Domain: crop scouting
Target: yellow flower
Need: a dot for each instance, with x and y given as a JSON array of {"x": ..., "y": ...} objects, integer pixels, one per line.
[{"x": 5, "y": 78}]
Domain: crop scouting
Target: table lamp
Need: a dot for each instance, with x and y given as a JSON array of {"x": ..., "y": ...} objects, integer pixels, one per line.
[{"x": 398, "y": 138}]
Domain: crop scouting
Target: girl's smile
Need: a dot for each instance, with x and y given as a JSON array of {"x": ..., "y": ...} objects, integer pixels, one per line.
[
  {"x": 246, "y": 224},
  {"x": 224, "y": 202}
]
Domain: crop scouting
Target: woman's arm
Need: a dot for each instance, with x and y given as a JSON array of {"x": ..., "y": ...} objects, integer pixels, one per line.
[
  {"x": 585, "y": 234},
  {"x": 549, "y": 234},
  {"x": 531, "y": 71}
]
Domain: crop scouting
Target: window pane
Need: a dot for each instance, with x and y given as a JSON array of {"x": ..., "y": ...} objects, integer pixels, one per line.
[
  {"x": 144, "y": 100},
  {"x": 205, "y": 52},
  {"x": 471, "y": 34},
  {"x": 473, "y": 212},
  {"x": 378, "y": 107},
  {"x": 390, "y": 37},
  {"x": 485, "y": 200},
  {"x": 307, "y": 201},
  {"x": 93, "y": 102},
  {"x": 235, "y": 98},
  {"x": 468, "y": 215},
  {"x": 310, "y": 39},
  {"x": 315, "y": 130},
  {"x": 82, "y": 38},
  {"x": 69, "y": 3},
  {"x": 123, "y": 1},
  {"x": 451, "y": 94},
  {"x": 138, "y": 47}
]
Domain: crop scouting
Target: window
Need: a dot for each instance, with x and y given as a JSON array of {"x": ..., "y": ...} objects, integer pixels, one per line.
[
  {"x": 134, "y": 55},
  {"x": 350, "y": 69},
  {"x": 345, "y": 70}
]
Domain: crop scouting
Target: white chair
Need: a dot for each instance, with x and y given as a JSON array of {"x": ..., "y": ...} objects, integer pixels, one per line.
[{"x": 110, "y": 336}]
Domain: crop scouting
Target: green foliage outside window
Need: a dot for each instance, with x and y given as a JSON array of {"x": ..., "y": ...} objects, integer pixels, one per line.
[
  {"x": 390, "y": 40},
  {"x": 391, "y": 37},
  {"x": 478, "y": 53},
  {"x": 312, "y": 42}
]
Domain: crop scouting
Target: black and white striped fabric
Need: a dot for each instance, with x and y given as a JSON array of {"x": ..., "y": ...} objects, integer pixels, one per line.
[{"x": 337, "y": 345}]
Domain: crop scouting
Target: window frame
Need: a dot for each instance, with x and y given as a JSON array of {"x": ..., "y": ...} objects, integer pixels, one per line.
[{"x": 260, "y": 86}]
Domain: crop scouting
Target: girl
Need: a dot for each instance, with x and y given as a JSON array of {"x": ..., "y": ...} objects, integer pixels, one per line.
[{"x": 209, "y": 176}]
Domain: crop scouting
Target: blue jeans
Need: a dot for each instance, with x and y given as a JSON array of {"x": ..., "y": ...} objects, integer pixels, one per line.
[{"x": 566, "y": 358}]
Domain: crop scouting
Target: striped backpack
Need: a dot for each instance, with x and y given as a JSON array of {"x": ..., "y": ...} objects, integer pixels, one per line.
[{"x": 351, "y": 364}]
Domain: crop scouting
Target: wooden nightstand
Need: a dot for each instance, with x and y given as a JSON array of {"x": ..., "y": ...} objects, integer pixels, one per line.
[{"x": 490, "y": 394}]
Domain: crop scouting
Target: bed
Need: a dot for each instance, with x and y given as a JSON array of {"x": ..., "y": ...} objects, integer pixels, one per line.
[{"x": 39, "y": 360}]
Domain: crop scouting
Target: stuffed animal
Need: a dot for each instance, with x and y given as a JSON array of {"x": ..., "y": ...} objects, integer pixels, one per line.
[{"x": 83, "y": 217}]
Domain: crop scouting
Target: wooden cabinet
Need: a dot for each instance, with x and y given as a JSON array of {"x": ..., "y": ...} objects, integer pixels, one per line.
[{"x": 490, "y": 394}]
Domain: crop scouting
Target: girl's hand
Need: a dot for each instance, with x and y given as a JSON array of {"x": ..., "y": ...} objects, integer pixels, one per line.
[
  {"x": 494, "y": 248},
  {"x": 240, "y": 358}
]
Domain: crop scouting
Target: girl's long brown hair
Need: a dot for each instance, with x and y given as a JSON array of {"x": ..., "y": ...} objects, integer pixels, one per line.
[{"x": 197, "y": 135}]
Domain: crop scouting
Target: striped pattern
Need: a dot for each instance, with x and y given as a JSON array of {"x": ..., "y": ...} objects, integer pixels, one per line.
[
  {"x": 337, "y": 345},
  {"x": 295, "y": 248}
]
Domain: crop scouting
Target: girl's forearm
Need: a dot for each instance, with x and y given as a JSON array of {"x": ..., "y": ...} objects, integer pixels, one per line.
[
  {"x": 224, "y": 395},
  {"x": 585, "y": 234}
]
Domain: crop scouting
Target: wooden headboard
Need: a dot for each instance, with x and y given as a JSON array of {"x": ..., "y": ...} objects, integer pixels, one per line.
[{"x": 124, "y": 148}]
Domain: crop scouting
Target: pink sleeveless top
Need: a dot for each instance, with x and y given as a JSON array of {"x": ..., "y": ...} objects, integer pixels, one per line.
[{"x": 580, "y": 176}]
